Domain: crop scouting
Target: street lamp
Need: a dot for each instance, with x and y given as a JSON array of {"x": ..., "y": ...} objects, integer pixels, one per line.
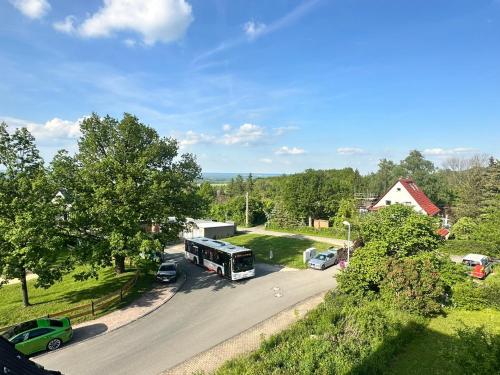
[{"x": 346, "y": 223}]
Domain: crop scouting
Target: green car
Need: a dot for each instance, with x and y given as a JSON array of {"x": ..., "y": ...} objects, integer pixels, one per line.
[{"x": 40, "y": 334}]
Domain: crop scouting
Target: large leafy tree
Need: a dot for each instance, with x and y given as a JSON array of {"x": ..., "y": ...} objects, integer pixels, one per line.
[
  {"x": 405, "y": 231},
  {"x": 131, "y": 178},
  {"x": 32, "y": 233}
]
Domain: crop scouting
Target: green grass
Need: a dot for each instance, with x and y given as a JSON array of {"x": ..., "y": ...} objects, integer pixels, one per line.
[
  {"x": 65, "y": 295},
  {"x": 286, "y": 251},
  {"x": 463, "y": 247},
  {"x": 322, "y": 232},
  {"x": 427, "y": 353}
]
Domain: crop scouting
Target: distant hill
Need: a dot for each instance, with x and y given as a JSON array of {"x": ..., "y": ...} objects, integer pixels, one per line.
[{"x": 226, "y": 177}]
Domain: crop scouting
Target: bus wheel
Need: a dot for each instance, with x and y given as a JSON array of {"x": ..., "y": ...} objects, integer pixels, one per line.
[
  {"x": 219, "y": 272},
  {"x": 195, "y": 260}
]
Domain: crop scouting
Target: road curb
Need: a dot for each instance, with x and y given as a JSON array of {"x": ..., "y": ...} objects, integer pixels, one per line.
[
  {"x": 174, "y": 292},
  {"x": 198, "y": 362}
]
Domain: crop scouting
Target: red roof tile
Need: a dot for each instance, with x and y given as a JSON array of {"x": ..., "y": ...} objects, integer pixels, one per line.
[
  {"x": 423, "y": 201},
  {"x": 443, "y": 232}
]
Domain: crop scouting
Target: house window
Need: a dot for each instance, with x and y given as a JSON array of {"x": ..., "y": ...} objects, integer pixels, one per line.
[{"x": 387, "y": 203}]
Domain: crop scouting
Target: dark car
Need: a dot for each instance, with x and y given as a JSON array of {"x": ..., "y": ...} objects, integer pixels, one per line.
[{"x": 167, "y": 272}]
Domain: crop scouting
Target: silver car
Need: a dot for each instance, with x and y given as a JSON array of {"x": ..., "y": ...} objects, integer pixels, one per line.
[{"x": 324, "y": 260}]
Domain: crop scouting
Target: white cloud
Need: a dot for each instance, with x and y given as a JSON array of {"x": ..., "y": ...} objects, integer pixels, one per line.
[
  {"x": 447, "y": 151},
  {"x": 226, "y": 127},
  {"x": 253, "y": 29},
  {"x": 32, "y": 8},
  {"x": 350, "y": 151},
  {"x": 285, "y": 129},
  {"x": 193, "y": 138},
  {"x": 246, "y": 134},
  {"x": 266, "y": 160},
  {"x": 285, "y": 150},
  {"x": 67, "y": 26},
  {"x": 55, "y": 129},
  {"x": 156, "y": 20}
]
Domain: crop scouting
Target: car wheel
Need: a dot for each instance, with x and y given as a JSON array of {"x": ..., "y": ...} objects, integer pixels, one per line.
[
  {"x": 54, "y": 344},
  {"x": 219, "y": 272},
  {"x": 322, "y": 266}
]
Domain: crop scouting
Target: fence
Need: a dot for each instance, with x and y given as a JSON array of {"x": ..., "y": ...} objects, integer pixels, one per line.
[{"x": 93, "y": 306}]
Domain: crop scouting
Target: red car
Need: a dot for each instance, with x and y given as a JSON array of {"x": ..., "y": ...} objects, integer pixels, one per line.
[{"x": 481, "y": 265}]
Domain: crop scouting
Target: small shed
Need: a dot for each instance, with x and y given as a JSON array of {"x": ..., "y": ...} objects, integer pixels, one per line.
[
  {"x": 209, "y": 229},
  {"x": 320, "y": 223}
]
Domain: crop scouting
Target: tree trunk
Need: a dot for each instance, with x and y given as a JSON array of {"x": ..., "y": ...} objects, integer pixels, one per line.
[
  {"x": 24, "y": 287},
  {"x": 119, "y": 264}
]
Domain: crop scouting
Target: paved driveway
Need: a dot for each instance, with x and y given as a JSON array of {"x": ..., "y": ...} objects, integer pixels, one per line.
[{"x": 206, "y": 311}]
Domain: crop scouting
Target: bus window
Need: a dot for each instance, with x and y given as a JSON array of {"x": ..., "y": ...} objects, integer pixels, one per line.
[{"x": 242, "y": 262}]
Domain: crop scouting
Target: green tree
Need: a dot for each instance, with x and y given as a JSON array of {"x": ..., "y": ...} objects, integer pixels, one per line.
[
  {"x": 206, "y": 196},
  {"x": 32, "y": 234},
  {"x": 405, "y": 231},
  {"x": 131, "y": 178}
]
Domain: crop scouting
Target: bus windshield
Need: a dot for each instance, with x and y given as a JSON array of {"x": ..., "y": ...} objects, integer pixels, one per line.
[{"x": 242, "y": 262}]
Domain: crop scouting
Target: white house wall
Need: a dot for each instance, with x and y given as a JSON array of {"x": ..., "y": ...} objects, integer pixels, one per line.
[{"x": 402, "y": 197}]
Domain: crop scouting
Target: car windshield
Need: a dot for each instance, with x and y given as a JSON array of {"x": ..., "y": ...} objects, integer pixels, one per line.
[
  {"x": 20, "y": 328},
  {"x": 242, "y": 262},
  {"x": 167, "y": 267},
  {"x": 320, "y": 257}
]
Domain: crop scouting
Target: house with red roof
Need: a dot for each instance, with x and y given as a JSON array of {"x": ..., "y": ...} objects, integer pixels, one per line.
[{"x": 405, "y": 191}]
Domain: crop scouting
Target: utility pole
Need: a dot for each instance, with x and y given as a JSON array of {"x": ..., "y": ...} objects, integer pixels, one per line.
[{"x": 246, "y": 208}]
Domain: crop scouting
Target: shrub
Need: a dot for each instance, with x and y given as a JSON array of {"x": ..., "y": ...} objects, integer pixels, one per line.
[
  {"x": 464, "y": 228},
  {"x": 366, "y": 270},
  {"x": 344, "y": 335},
  {"x": 414, "y": 284},
  {"x": 471, "y": 295},
  {"x": 477, "y": 351}
]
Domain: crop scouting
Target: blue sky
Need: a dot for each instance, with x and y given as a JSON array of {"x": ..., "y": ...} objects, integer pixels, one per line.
[{"x": 261, "y": 86}]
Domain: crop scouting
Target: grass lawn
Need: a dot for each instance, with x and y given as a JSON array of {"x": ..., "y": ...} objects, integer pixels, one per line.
[
  {"x": 286, "y": 251},
  {"x": 425, "y": 354},
  {"x": 340, "y": 234},
  {"x": 65, "y": 295}
]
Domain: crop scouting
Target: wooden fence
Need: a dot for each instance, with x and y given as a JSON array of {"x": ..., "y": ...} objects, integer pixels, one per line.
[{"x": 93, "y": 306}]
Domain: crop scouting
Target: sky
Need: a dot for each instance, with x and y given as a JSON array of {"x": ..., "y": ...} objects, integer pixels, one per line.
[{"x": 260, "y": 86}]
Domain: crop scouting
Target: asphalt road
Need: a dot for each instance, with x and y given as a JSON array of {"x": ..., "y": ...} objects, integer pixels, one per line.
[{"x": 206, "y": 311}]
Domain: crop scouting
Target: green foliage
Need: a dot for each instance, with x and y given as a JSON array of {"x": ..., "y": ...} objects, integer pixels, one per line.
[
  {"x": 32, "y": 228},
  {"x": 414, "y": 284},
  {"x": 463, "y": 247},
  {"x": 405, "y": 231},
  {"x": 234, "y": 209},
  {"x": 366, "y": 270},
  {"x": 481, "y": 349},
  {"x": 347, "y": 211},
  {"x": 343, "y": 335},
  {"x": 464, "y": 228},
  {"x": 439, "y": 350},
  {"x": 471, "y": 295},
  {"x": 129, "y": 177}
]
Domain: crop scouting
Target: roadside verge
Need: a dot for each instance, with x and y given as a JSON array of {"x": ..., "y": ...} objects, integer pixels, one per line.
[{"x": 246, "y": 341}]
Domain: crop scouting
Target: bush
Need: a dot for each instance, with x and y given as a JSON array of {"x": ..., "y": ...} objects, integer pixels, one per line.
[
  {"x": 414, "y": 284},
  {"x": 463, "y": 247},
  {"x": 471, "y": 295},
  {"x": 344, "y": 335},
  {"x": 481, "y": 349},
  {"x": 366, "y": 270},
  {"x": 464, "y": 228}
]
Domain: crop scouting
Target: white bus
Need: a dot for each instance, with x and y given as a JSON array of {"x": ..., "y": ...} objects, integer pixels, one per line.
[{"x": 233, "y": 262}]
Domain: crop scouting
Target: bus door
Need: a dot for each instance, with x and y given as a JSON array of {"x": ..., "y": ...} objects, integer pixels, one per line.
[{"x": 227, "y": 267}]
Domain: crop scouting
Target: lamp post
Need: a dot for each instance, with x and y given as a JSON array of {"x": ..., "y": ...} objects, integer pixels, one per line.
[{"x": 346, "y": 223}]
